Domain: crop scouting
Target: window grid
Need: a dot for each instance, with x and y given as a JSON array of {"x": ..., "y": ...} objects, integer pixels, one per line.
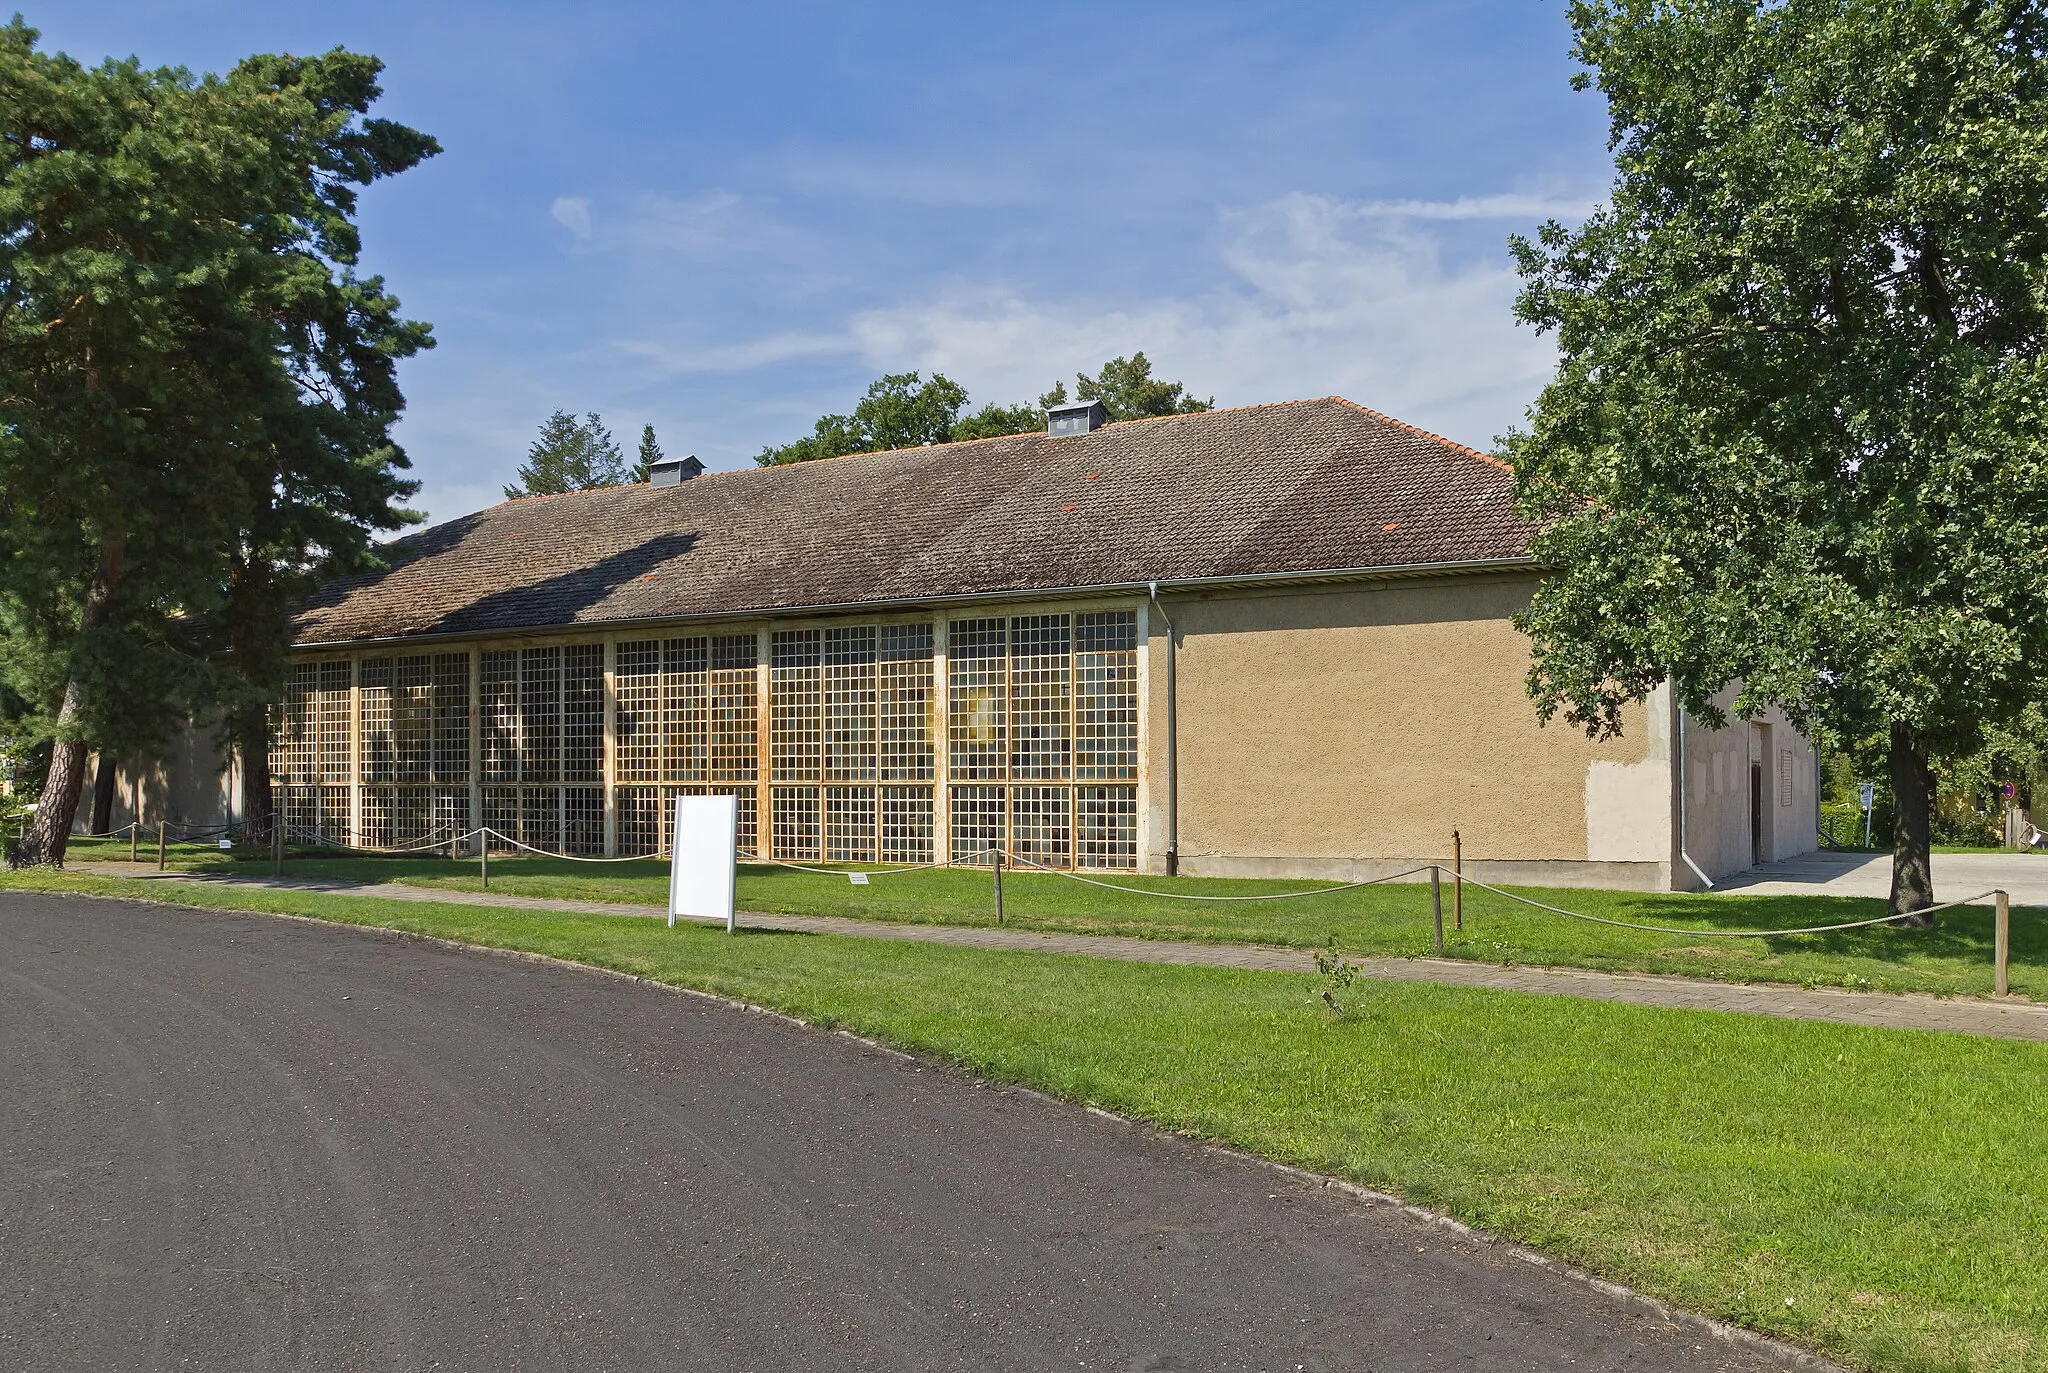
[
  {"x": 974, "y": 699},
  {"x": 906, "y": 825},
  {"x": 795, "y": 708},
  {"x": 978, "y": 815},
  {"x": 904, "y": 703},
  {"x": 1106, "y": 696},
  {"x": 1105, "y": 827},
  {"x": 849, "y": 824},
  {"x": 1041, "y": 696},
  {"x": 735, "y": 708},
  {"x": 1041, "y": 825},
  {"x": 1040, "y": 728},
  {"x": 637, "y": 682},
  {"x": 849, "y": 705},
  {"x": 793, "y": 816}
]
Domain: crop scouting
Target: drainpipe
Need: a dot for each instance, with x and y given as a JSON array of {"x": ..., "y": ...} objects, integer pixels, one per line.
[
  {"x": 1682, "y": 788},
  {"x": 1172, "y": 748}
]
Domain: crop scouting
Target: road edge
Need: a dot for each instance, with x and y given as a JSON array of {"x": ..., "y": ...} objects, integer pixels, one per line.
[{"x": 1719, "y": 1330}]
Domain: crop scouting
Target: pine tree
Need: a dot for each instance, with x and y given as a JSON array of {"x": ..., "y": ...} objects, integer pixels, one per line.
[
  {"x": 650, "y": 454},
  {"x": 570, "y": 455}
]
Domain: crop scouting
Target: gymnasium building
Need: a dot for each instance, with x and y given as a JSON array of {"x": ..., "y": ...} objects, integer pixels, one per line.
[{"x": 1272, "y": 640}]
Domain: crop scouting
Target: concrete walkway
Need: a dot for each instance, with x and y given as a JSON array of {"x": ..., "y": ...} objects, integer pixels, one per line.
[
  {"x": 2003, "y": 1019},
  {"x": 2023, "y": 875}
]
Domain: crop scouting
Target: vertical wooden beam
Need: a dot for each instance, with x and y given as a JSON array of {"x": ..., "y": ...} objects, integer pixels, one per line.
[
  {"x": 355, "y": 750},
  {"x": 476, "y": 741},
  {"x": 764, "y": 816},
  {"x": 610, "y": 764},
  {"x": 939, "y": 715}
]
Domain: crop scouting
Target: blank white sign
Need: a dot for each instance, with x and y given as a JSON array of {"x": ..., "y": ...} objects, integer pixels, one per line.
[{"x": 704, "y": 858}]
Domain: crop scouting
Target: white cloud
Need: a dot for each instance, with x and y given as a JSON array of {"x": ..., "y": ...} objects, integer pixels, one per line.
[
  {"x": 1529, "y": 207},
  {"x": 572, "y": 212},
  {"x": 1319, "y": 296}
]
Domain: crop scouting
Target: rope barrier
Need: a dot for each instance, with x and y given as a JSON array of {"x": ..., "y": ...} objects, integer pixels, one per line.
[
  {"x": 873, "y": 872},
  {"x": 1723, "y": 934},
  {"x": 1189, "y": 896},
  {"x": 320, "y": 840},
  {"x": 571, "y": 857}
]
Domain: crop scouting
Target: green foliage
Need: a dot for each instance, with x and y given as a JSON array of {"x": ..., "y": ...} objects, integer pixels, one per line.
[
  {"x": 196, "y": 391},
  {"x": 650, "y": 453},
  {"x": 1126, "y": 388},
  {"x": 904, "y": 411},
  {"x": 899, "y": 411},
  {"x": 1798, "y": 436},
  {"x": 570, "y": 455}
]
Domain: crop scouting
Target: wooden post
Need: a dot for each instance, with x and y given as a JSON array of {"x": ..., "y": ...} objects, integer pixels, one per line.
[
  {"x": 277, "y": 842},
  {"x": 160, "y": 828},
  {"x": 1457, "y": 881},
  {"x": 999, "y": 886},
  {"x": 1436, "y": 904},
  {"x": 2001, "y": 941},
  {"x": 134, "y": 839},
  {"x": 483, "y": 859}
]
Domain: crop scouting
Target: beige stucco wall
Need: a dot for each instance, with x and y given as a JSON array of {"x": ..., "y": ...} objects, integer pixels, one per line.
[
  {"x": 1348, "y": 730},
  {"x": 1716, "y": 822},
  {"x": 193, "y": 785}
]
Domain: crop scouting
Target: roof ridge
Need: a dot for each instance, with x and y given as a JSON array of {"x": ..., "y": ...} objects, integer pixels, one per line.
[{"x": 1486, "y": 458}]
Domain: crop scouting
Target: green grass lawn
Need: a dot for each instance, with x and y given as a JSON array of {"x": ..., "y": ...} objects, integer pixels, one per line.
[
  {"x": 1393, "y": 918},
  {"x": 1888, "y": 1182}
]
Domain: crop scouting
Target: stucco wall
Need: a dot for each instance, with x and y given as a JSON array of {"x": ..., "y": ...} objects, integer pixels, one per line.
[
  {"x": 193, "y": 785},
  {"x": 1347, "y": 730},
  {"x": 1717, "y": 835}
]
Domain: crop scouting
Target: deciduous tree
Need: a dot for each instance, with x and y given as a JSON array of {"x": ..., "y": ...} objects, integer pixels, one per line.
[{"x": 1798, "y": 436}]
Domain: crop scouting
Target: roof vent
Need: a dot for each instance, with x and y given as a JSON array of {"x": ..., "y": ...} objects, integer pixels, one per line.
[
  {"x": 1080, "y": 417},
  {"x": 673, "y": 471}
]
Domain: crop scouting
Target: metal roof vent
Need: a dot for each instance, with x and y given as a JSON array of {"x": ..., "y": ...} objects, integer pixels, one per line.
[
  {"x": 673, "y": 471},
  {"x": 1079, "y": 417}
]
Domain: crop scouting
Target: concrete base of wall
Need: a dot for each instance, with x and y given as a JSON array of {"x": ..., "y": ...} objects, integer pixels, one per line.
[{"x": 1503, "y": 872}]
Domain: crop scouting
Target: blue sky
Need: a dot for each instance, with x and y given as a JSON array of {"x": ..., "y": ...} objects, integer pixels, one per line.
[{"x": 726, "y": 220}]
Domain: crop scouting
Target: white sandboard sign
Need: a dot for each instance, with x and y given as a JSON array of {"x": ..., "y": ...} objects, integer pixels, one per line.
[{"x": 703, "y": 859}]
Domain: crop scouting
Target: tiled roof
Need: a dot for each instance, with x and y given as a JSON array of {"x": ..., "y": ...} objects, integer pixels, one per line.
[{"x": 1304, "y": 486}]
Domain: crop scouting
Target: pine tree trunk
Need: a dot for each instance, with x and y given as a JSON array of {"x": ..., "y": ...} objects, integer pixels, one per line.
[
  {"x": 255, "y": 637},
  {"x": 47, "y": 838},
  {"x": 103, "y": 795},
  {"x": 252, "y": 742},
  {"x": 1912, "y": 804}
]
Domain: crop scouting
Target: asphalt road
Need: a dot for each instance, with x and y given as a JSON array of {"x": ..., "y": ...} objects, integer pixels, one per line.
[{"x": 236, "y": 1142}]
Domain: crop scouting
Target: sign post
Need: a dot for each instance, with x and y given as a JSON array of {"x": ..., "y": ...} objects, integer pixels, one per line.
[
  {"x": 704, "y": 859},
  {"x": 1867, "y": 793}
]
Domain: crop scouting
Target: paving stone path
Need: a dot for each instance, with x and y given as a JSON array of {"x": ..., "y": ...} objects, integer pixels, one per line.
[{"x": 1960, "y": 1015}]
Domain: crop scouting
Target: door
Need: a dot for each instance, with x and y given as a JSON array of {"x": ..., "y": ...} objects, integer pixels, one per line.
[{"x": 1756, "y": 813}]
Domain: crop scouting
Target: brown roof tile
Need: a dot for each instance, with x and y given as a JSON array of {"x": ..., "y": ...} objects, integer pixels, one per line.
[{"x": 1302, "y": 486}]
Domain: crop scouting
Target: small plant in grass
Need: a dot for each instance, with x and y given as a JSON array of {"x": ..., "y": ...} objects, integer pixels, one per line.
[{"x": 1338, "y": 974}]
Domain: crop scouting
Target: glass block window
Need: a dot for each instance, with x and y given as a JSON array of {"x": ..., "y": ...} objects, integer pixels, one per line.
[
  {"x": 540, "y": 733},
  {"x": 977, "y": 681},
  {"x": 412, "y": 716},
  {"x": 1047, "y": 706},
  {"x": 850, "y": 706}
]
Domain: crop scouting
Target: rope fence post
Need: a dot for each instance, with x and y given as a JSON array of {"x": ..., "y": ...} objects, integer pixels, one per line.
[
  {"x": 1457, "y": 881},
  {"x": 134, "y": 839},
  {"x": 160, "y": 856},
  {"x": 2001, "y": 944},
  {"x": 999, "y": 886},
  {"x": 483, "y": 858},
  {"x": 1436, "y": 904},
  {"x": 277, "y": 845}
]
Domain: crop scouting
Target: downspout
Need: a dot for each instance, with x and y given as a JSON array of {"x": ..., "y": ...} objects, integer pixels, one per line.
[
  {"x": 1682, "y": 780},
  {"x": 1172, "y": 747}
]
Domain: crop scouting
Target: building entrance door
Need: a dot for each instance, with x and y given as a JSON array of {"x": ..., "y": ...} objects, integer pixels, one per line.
[{"x": 1756, "y": 813}]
